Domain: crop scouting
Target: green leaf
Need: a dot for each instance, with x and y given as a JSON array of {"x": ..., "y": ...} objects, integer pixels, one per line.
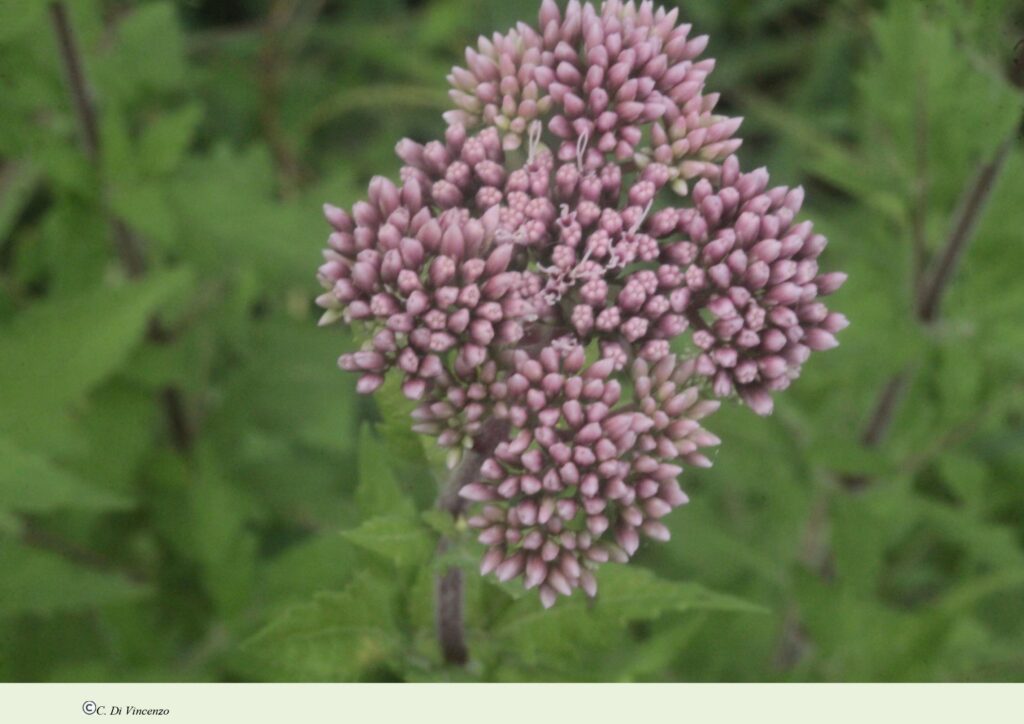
[
  {"x": 401, "y": 539},
  {"x": 223, "y": 545},
  {"x": 930, "y": 115},
  {"x": 966, "y": 475},
  {"x": 440, "y": 522},
  {"x": 56, "y": 351},
  {"x": 30, "y": 483},
  {"x": 228, "y": 200},
  {"x": 638, "y": 593},
  {"x": 292, "y": 388},
  {"x": 142, "y": 204},
  {"x": 413, "y": 456},
  {"x": 657, "y": 652},
  {"x": 18, "y": 17},
  {"x": 557, "y": 637},
  {"x": 395, "y": 410},
  {"x": 324, "y": 563},
  {"x": 120, "y": 411},
  {"x": 18, "y": 181},
  {"x": 336, "y": 637},
  {"x": 75, "y": 246},
  {"x": 993, "y": 545},
  {"x": 164, "y": 141},
  {"x": 379, "y": 492},
  {"x": 150, "y": 52},
  {"x": 33, "y": 581},
  {"x": 844, "y": 455}
]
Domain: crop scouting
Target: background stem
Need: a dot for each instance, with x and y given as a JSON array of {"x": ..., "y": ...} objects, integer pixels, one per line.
[
  {"x": 129, "y": 248},
  {"x": 930, "y": 292},
  {"x": 127, "y": 244}
]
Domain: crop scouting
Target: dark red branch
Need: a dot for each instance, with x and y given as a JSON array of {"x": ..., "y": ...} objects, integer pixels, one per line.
[
  {"x": 451, "y": 633},
  {"x": 931, "y": 292},
  {"x": 127, "y": 244}
]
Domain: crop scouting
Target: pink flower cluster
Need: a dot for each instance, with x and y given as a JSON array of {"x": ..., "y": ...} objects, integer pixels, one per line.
[
  {"x": 581, "y": 265},
  {"x": 582, "y": 474}
]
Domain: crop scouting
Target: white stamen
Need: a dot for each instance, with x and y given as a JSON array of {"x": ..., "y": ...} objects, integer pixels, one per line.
[
  {"x": 533, "y": 140},
  {"x": 614, "y": 261},
  {"x": 639, "y": 222},
  {"x": 576, "y": 273},
  {"x": 565, "y": 343},
  {"x": 581, "y": 149},
  {"x": 504, "y": 236}
]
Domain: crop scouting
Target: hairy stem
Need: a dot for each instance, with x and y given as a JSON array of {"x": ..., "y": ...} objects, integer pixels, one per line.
[
  {"x": 967, "y": 218},
  {"x": 127, "y": 244},
  {"x": 35, "y": 535},
  {"x": 450, "y": 625},
  {"x": 888, "y": 400},
  {"x": 129, "y": 249},
  {"x": 81, "y": 96},
  {"x": 930, "y": 292},
  {"x": 272, "y": 66},
  {"x": 929, "y": 289}
]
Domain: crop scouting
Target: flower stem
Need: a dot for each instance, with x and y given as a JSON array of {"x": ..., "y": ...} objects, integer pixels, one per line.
[{"x": 451, "y": 633}]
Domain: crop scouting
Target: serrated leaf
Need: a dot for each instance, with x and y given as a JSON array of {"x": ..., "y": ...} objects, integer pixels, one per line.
[
  {"x": 930, "y": 115},
  {"x": 395, "y": 410},
  {"x": 379, "y": 492},
  {"x": 414, "y": 457},
  {"x": 120, "y": 411},
  {"x": 292, "y": 394},
  {"x": 335, "y": 637},
  {"x": 556, "y": 638},
  {"x": 142, "y": 204},
  {"x": 626, "y": 593},
  {"x": 401, "y": 539},
  {"x": 324, "y": 563},
  {"x": 18, "y": 17},
  {"x": 966, "y": 475},
  {"x": 30, "y": 483},
  {"x": 224, "y": 547},
  {"x": 630, "y": 593},
  {"x": 18, "y": 181},
  {"x": 164, "y": 142},
  {"x": 228, "y": 199},
  {"x": 150, "y": 51},
  {"x": 845, "y": 455},
  {"x": 34, "y": 581},
  {"x": 74, "y": 246},
  {"x": 56, "y": 351},
  {"x": 439, "y": 521}
]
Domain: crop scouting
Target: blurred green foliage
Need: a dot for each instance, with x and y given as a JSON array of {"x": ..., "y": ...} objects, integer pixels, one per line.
[{"x": 191, "y": 490}]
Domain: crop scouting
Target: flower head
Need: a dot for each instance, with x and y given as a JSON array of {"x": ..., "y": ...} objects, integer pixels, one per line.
[{"x": 585, "y": 202}]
